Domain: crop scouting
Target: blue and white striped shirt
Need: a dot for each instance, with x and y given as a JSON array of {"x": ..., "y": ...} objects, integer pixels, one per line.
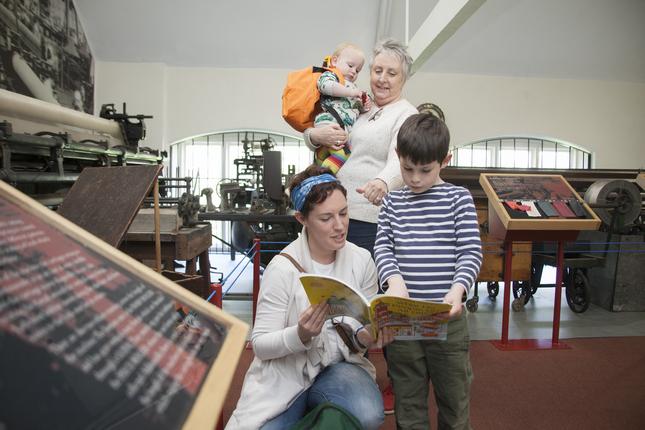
[{"x": 431, "y": 239}]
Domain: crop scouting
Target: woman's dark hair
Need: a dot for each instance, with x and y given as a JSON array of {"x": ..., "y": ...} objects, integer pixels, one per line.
[{"x": 319, "y": 192}]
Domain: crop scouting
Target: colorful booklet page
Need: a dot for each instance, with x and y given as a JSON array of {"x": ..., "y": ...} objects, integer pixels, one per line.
[{"x": 409, "y": 319}]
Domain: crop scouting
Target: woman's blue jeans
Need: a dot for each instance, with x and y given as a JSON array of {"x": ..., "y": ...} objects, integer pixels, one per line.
[{"x": 344, "y": 384}]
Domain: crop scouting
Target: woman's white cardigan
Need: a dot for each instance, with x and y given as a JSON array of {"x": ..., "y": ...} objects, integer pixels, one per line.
[{"x": 283, "y": 366}]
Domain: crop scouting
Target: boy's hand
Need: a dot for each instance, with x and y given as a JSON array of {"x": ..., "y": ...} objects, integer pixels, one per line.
[
  {"x": 396, "y": 287},
  {"x": 453, "y": 297}
]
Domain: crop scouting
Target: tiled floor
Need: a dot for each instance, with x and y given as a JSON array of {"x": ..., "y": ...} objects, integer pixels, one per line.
[{"x": 533, "y": 322}]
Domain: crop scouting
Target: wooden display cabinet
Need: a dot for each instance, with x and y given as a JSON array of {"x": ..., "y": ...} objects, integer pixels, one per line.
[
  {"x": 492, "y": 269},
  {"x": 534, "y": 207}
]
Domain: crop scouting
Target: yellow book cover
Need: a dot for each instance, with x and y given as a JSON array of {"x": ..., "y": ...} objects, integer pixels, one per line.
[{"x": 409, "y": 319}]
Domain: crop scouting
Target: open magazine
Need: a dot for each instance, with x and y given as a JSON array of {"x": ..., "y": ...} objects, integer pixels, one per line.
[{"x": 409, "y": 319}]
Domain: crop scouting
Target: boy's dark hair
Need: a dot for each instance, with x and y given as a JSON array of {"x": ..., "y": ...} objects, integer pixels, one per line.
[
  {"x": 318, "y": 193},
  {"x": 423, "y": 138}
]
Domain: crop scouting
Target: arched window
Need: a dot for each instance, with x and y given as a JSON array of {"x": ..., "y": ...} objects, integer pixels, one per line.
[
  {"x": 521, "y": 152},
  {"x": 232, "y": 155},
  {"x": 211, "y": 158}
]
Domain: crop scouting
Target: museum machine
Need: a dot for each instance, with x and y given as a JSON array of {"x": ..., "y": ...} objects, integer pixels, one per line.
[
  {"x": 44, "y": 147},
  {"x": 254, "y": 201}
]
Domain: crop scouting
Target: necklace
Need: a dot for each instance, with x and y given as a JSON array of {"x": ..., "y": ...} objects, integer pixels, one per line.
[{"x": 375, "y": 115}]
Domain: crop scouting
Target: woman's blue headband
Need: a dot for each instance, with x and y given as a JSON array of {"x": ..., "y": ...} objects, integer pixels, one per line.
[{"x": 299, "y": 193}]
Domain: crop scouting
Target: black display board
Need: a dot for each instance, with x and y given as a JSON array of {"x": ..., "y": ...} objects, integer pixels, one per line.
[{"x": 87, "y": 342}]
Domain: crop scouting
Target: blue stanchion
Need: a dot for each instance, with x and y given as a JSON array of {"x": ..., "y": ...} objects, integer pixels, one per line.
[
  {"x": 236, "y": 266},
  {"x": 579, "y": 251},
  {"x": 210, "y": 296},
  {"x": 236, "y": 278},
  {"x": 581, "y": 243}
]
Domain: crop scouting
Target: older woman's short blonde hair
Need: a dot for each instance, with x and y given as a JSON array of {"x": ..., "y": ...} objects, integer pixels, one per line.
[{"x": 396, "y": 48}]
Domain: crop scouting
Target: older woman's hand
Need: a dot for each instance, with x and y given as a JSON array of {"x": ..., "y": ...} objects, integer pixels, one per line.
[
  {"x": 374, "y": 191},
  {"x": 311, "y": 321},
  {"x": 333, "y": 136}
]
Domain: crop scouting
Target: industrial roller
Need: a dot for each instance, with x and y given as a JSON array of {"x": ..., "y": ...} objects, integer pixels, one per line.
[{"x": 609, "y": 196}]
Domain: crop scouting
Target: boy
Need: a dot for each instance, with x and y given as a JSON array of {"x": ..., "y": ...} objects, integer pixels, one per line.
[
  {"x": 341, "y": 104},
  {"x": 428, "y": 247}
]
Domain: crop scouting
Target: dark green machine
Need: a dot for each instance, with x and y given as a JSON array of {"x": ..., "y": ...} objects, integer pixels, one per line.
[{"x": 45, "y": 164}]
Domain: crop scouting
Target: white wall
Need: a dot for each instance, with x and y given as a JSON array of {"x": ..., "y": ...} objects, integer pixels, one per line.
[
  {"x": 203, "y": 100},
  {"x": 142, "y": 86},
  {"x": 603, "y": 117}
]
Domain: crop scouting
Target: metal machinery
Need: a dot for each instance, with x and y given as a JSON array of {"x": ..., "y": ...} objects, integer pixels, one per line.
[
  {"x": 607, "y": 256},
  {"x": 254, "y": 201},
  {"x": 259, "y": 183},
  {"x": 44, "y": 147},
  {"x": 600, "y": 267},
  {"x": 604, "y": 267}
]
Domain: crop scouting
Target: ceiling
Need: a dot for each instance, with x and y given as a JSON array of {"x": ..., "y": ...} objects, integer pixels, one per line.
[{"x": 570, "y": 39}]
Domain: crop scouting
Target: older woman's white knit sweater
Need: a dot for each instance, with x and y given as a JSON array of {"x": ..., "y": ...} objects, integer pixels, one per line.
[{"x": 372, "y": 145}]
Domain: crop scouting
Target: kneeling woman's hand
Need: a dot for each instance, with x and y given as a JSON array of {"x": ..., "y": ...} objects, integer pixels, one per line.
[
  {"x": 311, "y": 321},
  {"x": 364, "y": 336}
]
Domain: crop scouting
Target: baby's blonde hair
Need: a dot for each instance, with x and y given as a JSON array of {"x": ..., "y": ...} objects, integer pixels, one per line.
[{"x": 342, "y": 46}]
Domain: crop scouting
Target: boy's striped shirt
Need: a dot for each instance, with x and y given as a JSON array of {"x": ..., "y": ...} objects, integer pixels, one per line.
[{"x": 431, "y": 239}]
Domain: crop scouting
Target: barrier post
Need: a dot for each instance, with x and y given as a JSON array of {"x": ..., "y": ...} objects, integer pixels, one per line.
[
  {"x": 559, "y": 276},
  {"x": 508, "y": 265},
  {"x": 217, "y": 297}
]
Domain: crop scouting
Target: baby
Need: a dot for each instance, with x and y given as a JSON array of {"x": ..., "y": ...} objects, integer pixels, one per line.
[{"x": 341, "y": 103}]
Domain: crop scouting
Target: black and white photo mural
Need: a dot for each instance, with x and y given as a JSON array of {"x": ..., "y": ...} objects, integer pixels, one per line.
[{"x": 44, "y": 53}]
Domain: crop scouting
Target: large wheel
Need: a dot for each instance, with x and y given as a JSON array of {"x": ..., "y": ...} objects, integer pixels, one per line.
[
  {"x": 577, "y": 291},
  {"x": 493, "y": 289},
  {"x": 536, "y": 277},
  {"x": 517, "y": 305},
  {"x": 522, "y": 289},
  {"x": 472, "y": 304}
]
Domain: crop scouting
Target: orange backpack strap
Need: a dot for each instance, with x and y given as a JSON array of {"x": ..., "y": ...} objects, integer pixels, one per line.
[{"x": 341, "y": 78}]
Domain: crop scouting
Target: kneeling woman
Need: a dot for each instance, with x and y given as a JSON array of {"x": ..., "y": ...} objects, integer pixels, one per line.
[{"x": 300, "y": 360}]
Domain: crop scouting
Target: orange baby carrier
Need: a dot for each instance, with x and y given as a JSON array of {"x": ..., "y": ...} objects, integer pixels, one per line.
[{"x": 301, "y": 98}]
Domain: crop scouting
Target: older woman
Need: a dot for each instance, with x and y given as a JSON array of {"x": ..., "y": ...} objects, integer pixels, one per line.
[
  {"x": 373, "y": 167},
  {"x": 300, "y": 360}
]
